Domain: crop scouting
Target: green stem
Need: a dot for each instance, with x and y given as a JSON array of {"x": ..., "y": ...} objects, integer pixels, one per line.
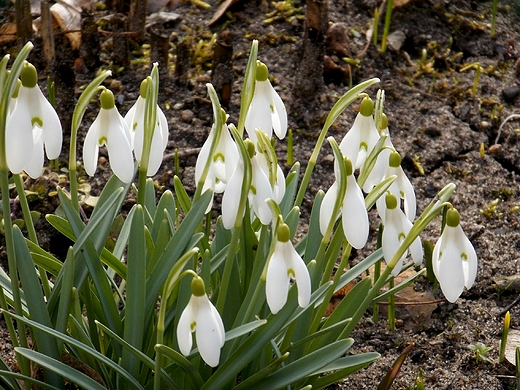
[
  {"x": 141, "y": 186},
  {"x": 228, "y": 267},
  {"x": 391, "y": 307},
  {"x": 388, "y": 19},
  {"x": 30, "y": 229}
]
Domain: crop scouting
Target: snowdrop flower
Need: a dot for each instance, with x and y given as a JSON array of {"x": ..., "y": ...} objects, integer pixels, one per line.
[
  {"x": 222, "y": 163},
  {"x": 454, "y": 259},
  {"x": 286, "y": 264},
  {"x": 267, "y": 111},
  {"x": 402, "y": 188},
  {"x": 353, "y": 210},
  {"x": 396, "y": 228},
  {"x": 201, "y": 317},
  {"x": 377, "y": 174},
  {"x": 109, "y": 129},
  {"x": 14, "y": 98},
  {"x": 32, "y": 125},
  {"x": 278, "y": 179},
  {"x": 361, "y": 138},
  {"x": 134, "y": 118},
  {"x": 260, "y": 190}
]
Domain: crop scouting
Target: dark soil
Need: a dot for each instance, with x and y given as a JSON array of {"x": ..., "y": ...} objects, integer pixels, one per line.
[{"x": 444, "y": 133}]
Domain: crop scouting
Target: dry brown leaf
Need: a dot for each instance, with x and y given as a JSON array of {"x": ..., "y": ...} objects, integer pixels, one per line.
[
  {"x": 222, "y": 10},
  {"x": 7, "y": 34},
  {"x": 68, "y": 18}
]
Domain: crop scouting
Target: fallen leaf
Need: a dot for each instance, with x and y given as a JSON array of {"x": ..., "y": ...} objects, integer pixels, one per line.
[{"x": 222, "y": 10}]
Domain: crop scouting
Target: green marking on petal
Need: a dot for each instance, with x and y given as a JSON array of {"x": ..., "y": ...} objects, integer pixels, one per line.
[
  {"x": 253, "y": 190},
  {"x": 37, "y": 121},
  {"x": 291, "y": 273},
  {"x": 102, "y": 141},
  {"x": 401, "y": 236},
  {"x": 271, "y": 106},
  {"x": 193, "y": 325},
  {"x": 219, "y": 156},
  {"x": 134, "y": 126},
  {"x": 363, "y": 145},
  {"x": 464, "y": 256}
]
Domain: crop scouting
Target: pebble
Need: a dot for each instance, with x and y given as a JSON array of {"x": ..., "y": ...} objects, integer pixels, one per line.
[
  {"x": 187, "y": 116},
  {"x": 510, "y": 93},
  {"x": 395, "y": 40}
]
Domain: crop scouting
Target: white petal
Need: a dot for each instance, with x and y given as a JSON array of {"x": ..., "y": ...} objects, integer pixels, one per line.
[
  {"x": 303, "y": 280},
  {"x": 277, "y": 280},
  {"x": 163, "y": 124},
  {"x": 259, "y": 113},
  {"x": 156, "y": 152},
  {"x": 203, "y": 157},
  {"x": 468, "y": 257},
  {"x": 52, "y": 132},
  {"x": 261, "y": 192},
  {"x": 392, "y": 236},
  {"x": 278, "y": 113},
  {"x": 231, "y": 198},
  {"x": 407, "y": 193},
  {"x": 327, "y": 207},
  {"x": 34, "y": 162},
  {"x": 184, "y": 338},
  {"x": 18, "y": 135},
  {"x": 439, "y": 248},
  {"x": 91, "y": 148},
  {"x": 209, "y": 333},
  {"x": 349, "y": 145},
  {"x": 119, "y": 149},
  {"x": 450, "y": 272},
  {"x": 279, "y": 187},
  {"x": 355, "y": 217}
]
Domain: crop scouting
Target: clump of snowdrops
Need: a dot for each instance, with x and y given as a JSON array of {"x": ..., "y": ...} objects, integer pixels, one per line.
[{"x": 185, "y": 300}]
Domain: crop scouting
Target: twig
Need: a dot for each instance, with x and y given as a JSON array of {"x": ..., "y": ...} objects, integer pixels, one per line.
[
  {"x": 414, "y": 303},
  {"x": 512, "y": 116},
  {"x": 509, "y": 307}
]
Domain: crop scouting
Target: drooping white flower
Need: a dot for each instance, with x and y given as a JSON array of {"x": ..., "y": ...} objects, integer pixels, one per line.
[
  {"x": 286, "y": 264},
  {"x": 32, "y": 125},
  {"x": 454, "y": 259},
  {"x": 362, "y": 137},
  {"x": 267, "y": 111},
  {"x": 201, "y": 317},
  {"x": 278, "y": 180},
  {"x": 377, "y": 174},
  {"x": 231, "y": 197},
  {"x": 354, "y": 214},
  {"x": 222, "y": 163},
  {"x": 396, "y": 228},
  {"x": 402, "y": 188},
  {"x": 134, "y": 118},
  {"x": 109, "y": 129}
]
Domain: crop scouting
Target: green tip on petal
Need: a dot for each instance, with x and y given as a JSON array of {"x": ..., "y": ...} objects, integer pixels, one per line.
[
  {"x": 107, "y": 99},
  {"x": 367, "y": 107},
  {"x": 142, "y": 88},
  {"x": 28, "y": 75},
  {"x": 250, "y": 146},
  {"x": 394, "y": 160},
  {"x": 391, "y": 201},
  {"x": 283, "y": 233},
  {"x": 197, "y": 287},
  {"x": 261, "y": 71},
  {"x": 384, "y": 121},
  {"x": 348, "y": 165},
  {"x": 452, "y": 218}
]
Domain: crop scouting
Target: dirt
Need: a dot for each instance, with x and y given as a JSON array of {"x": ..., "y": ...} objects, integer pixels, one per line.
[{"x": 444, "y": 131}]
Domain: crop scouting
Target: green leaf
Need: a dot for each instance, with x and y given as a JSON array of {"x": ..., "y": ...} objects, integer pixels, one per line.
[
  {"x": 291, "y": 186},
  {"x": 64, "y": 306},
  {"x": 5, "y": 374},
  {"x": 192, "y": 373},
  {"x": 301, "y": 368},
  {"x": 182, "y": 195},
  {"x": 72, "y": 342},
  {"x": 342, "y": 368},
  {"x": 359, "y": 268},
  {"x": 134, "y": 332},
  {"x": 44, "y": 259},
  {"x": 166, "y": 205},
  {"x": 35, "y": 301},
  {"x": 10, "y": 376},
  {"x": 260, "y": 375},
  {"x": 62, "y": 369}
]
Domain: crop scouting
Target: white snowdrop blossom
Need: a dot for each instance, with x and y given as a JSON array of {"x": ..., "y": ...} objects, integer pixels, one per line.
[
  {"x": 278, "y": 178},
  {"x": 14, "y": 98},
  {"x": 286, "y": 264},
  {"x": 109, "y": 129},
  {"x": 402, "y": 188},
  {"x": 377, "y": 174},
  {"x": 362, "y": 137},
  {"x": 32, "y": 126},
  {"x": 259, "y": 191},
  {"x": 267, "y": 111},
  {"x": 454, "y": 259},
  {"x": 354, "y": 214},
  {"x": 134, "y": 118},
  {"x": 201, "y": 317},
  {"x": 396, "y": 228},
  {"x": 222, "y": 163}
]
